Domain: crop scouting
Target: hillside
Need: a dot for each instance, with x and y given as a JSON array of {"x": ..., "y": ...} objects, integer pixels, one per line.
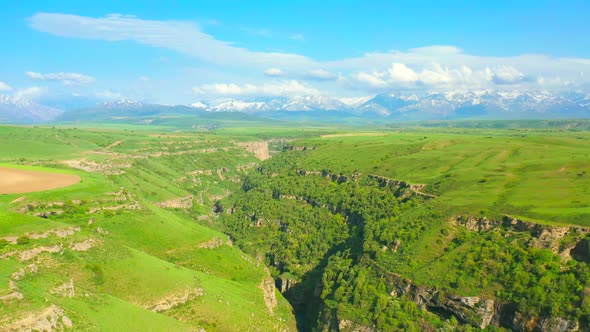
[
  {"x": 427, "y": 230},
  {"x": 418, "y": 229},
  {"x": 121, "y": 249}
]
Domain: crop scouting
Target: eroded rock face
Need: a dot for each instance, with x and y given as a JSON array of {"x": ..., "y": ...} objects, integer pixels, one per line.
[
  {"x": 32, "y": 253},
  {"x": 214, "y": 243},
  {"x": 558, "y": 324},
  {"x": 50, "y": 319},
  {"x": 82, "y": 246},
  {"x": 472, "y": 310},
  {"x": 477, "y": 225},
  {"x": 67, "y": 289},
  {"x": 404, "y": 188},
  {"x": 543, "y": 236},
  {"x": 177, "y": 203},
  {"x": 268, "y": 291},
  {"x": 581, "y": 251},
  {"x": 285, "y": 284},
  {"x": 345, "y": 325},
  {"x": 22, "y": 272},
  {"x": 15, "y": 295},
  {"x": 259, "y": 149},
  {"x": 546, "y": 324},
  {"x": 175, "y": 300},
  {"x": 298, "y": 148}
]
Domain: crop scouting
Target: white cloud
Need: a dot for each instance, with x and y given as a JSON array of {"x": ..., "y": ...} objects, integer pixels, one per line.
[
  {"x": 4, "y": 86},
  {"x": 400, "y": 72},
  {"x": 438, "y": 66},
  {"x": 283, "y": 88},
  {"x": 436, "y": 76},
  {"x": 320, "y": 75},
  {"x": 273, "y": 72},
  {"x": 31, "y": 93},
  {"x": 507, "y": 75},
  {"x": 436, "y": 49},
  {"x": 372, "y": 80},
  {"x": 183, "y": 37},
  {"x": 64, "y": 78}
]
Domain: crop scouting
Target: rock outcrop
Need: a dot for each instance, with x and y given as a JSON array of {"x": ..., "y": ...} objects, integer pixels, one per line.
[
  {"x": 259, "y": 149},
  {"x": 401, "y": 186},
  {"x": 472, "y": 310},
  {"x": 268, "y": 291},
  {"x": 82, "y": 246},
  {"x": 298, "y": 148},
  {"x": 177, "y": 203},
  {"x": 214, "y": 243},
  {"x": 32, "y": 253},
  {"x": 542, "y": 236},
  {"x": 50, "y": 319},
  {"x": 66, "y": 289},
  {"x": 175, "y": 300}
]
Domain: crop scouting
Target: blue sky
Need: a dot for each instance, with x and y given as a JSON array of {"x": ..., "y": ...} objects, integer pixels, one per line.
[{"x": 183, "y": 51}]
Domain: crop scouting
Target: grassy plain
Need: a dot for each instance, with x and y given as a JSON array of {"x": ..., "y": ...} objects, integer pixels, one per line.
[{"x": 538, "y": 175}]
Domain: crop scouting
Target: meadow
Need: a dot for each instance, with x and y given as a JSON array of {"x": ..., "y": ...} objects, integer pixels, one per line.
[
  {"x": 121, "y": 249},
  {"x": 537, "y": 175}
]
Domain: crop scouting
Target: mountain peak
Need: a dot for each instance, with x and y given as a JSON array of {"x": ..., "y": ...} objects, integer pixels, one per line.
[
  {"x": 18, "y": 109},
  {"x": 120, "y": 103}
]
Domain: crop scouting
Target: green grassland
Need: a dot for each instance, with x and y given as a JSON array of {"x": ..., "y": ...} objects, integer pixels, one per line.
[
  {"x": 141, "y": 253},
  {"x": 139, "y": 231},
  {"x": 538, "y": 176}
]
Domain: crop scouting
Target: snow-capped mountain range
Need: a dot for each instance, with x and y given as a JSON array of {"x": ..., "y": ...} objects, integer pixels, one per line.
[
  {"x": 22, "y": 110},
  {"x": 482, "y": 104},
  {"x": 449, "y": 105}
]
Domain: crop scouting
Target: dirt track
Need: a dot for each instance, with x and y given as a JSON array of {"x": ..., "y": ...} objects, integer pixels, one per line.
[{"x": 17, "y": 181}]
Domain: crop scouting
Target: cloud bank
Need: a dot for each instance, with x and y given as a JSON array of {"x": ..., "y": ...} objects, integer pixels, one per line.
[
  {"x": 64, "y": 78},
  {"x": 4, "y": 86},
  {"x": 283, "y": 88},
  {"x": 438, "y": 67}
]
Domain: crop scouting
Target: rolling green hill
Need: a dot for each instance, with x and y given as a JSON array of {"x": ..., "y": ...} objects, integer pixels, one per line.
[
  {"x": 121, "y": 250},
  {"x": 419, "y": 229}
]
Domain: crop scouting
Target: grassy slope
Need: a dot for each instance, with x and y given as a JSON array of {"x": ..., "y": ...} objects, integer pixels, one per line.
[
  {"x": 146, "y": 256},
  {"x": 534, "y": 175}
]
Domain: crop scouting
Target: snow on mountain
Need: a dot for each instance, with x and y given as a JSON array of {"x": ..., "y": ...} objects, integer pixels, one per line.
[
  {"x": 434, "y": 105},
  {"x": 23, "y": 110},
  {"x": 355, "y": 102},
  {"x": 479, "y": 103},
  {"x": 385, "y": 104},
  {"x": 314, "y": 103},
  {"x": 234, "y": 105},
  {"x": 122, "y": 103},
  {"x": 457, "y": 104},
  {"x": 199, "y": 104}
]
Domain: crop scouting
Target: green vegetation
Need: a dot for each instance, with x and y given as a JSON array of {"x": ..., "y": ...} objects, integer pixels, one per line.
[
  {"x": 121, "y": 249},
  {"x": 533, "y": 175},
  {"x": 421, "y": 228},
  {"x": 343, "y": 232}
]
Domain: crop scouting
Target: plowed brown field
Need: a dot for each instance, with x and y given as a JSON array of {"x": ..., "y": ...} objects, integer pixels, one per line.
[{"x": 17, "y": 181}]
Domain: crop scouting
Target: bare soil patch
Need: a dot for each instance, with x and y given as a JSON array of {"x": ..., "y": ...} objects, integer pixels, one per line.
[{"x": 16, "y": 181}]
